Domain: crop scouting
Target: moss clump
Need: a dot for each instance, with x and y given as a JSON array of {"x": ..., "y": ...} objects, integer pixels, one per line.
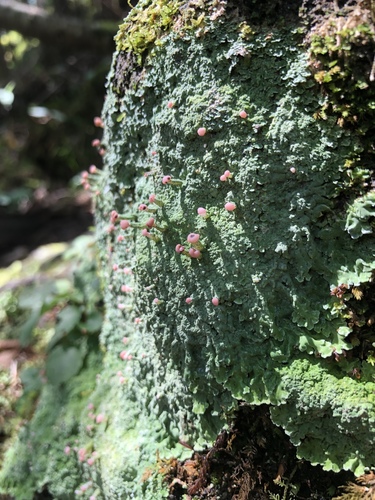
[
  {"x": 145, "y": 25},
  {"x": 341, "y": 47}
]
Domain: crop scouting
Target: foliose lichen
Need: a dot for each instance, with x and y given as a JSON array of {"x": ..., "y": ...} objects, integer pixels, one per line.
[{"x": 272, "y": 262}]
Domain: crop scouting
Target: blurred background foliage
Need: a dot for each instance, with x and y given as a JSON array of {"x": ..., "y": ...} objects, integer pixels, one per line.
[
  {"x": 50, "y": 90},
  {"x": 50, "y": 294}
]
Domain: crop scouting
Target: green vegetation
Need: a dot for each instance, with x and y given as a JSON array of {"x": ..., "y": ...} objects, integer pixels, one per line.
[{"x": 59, "y": 317}]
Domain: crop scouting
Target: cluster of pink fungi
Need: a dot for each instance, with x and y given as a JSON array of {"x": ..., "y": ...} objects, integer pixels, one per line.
[{"x": 88, "y": 179}]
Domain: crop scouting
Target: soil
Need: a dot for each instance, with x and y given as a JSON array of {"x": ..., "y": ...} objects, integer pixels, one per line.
[{"x": 255, "y": 460}]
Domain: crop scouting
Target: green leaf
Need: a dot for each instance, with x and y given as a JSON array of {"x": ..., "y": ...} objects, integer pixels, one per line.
[
  {"x": 62, "y": 364},
  {"x": 93, "y": 323},
  {"x": 68, "y": 319},
  {"x": 26, "y": 330},
  {"x": 30, "y": 378},
  {"x": 35, "y": 298}
]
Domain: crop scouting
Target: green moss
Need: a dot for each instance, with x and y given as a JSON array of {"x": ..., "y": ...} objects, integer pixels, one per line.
[
  {"x": 341, "y": 51},
  {"x": 145, "y": 25},
  {"x": 37, "y": 458}
]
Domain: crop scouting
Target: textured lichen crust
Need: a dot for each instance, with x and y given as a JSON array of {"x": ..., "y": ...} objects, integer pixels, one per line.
[{"x": 273, "y": 240}]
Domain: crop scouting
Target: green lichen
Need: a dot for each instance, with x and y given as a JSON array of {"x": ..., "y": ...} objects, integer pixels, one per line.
[
  {"x": 360, "y": 218},
  {"x": 37, "y": 458},
  {"x": 322, "y": 401},
  {"x": 272, "y": 262}
]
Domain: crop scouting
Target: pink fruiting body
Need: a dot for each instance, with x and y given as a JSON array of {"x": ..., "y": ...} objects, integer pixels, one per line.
[
  {"x": 121, "y": 306},
  {"x": 202, "y": 212},
  {"x": 156, "y": 301},
  {"x": 194, "y": 253},
  {"x": 167, "y": 179},
  {"x": 201, "y": 131},
  {"x": 230, "y": 206},
  {"x": 142, "y": 206},
  {"x": 137, "y": 321},
  {"x": 90, "y": 461},
  {"x": 120, "y": 238},
  {"x": 98, "y": 122},
  {"x": 115, "y": 267},
  {"x": 125, "y": 340},
  {"x": 92, "y": 169},
  {"x": 152, "y": 199},
  {"x": 95, "y": 143},
  {"x": 215, "y": 301},
  {"x": 110, "y": 228},
  {"x": 149, "y": 235},
  {"x": 226, "y": 175},
  {"x": 113, "y": 216},
  {"x": 243, "y": 114},
  {"x": 100, "y": 418},
  {"x": 124, "y": 224},
  {"x": 193, "y": 237},
  {"x": 293, "y": 170},
  {"x": 179, "y": 248},
  {"x": 127, "y": 270},
  {"x": 150, "y": 223},
  {"x": 123, "y": 355},
  {"x": 188, "y": 300},
  {"x": 126, "y": 289},
  {"x": 67, "y": 450},
  {"x": 170, "y": 104}
]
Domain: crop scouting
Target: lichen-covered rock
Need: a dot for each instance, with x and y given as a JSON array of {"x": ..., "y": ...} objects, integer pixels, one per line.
[{"x": 213, "y": 128}]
